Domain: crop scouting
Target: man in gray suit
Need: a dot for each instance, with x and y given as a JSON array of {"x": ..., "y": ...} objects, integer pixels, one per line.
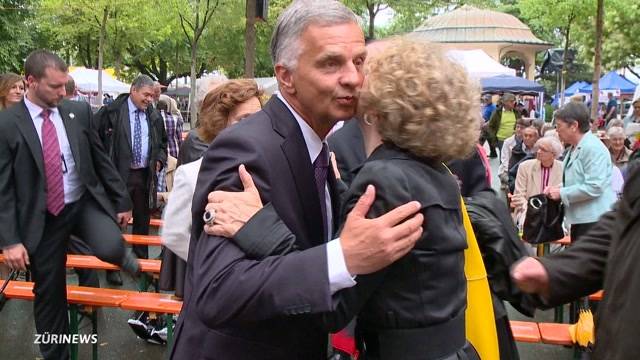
[
  {"x": 236, "y": 307},
  {"x": 55, "y": 181}
]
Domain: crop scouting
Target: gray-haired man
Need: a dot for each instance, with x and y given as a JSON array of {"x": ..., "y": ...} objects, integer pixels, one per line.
[
  {"x": 241, "y": 308},
  {"x": 134, "y": 137}
]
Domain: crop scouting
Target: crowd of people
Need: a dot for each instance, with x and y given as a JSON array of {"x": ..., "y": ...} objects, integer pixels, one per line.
[{"x": 337, "y": 206}]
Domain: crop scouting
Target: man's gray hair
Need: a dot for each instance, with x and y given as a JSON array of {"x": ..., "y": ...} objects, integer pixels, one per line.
[
  {"x": 285, "y": 44},
  {"x": 141, "y": 81},
  {"x": 206, "y": 84}
]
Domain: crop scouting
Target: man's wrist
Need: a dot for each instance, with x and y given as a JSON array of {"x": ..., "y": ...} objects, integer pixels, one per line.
[{"x": 339, "y": 276}]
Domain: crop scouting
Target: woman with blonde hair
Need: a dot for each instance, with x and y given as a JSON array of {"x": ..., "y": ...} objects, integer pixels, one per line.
[{"x": 11, "y": 90}]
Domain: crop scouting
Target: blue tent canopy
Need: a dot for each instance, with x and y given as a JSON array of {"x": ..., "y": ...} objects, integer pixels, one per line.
[
  {"x": 508, "y": 83},
  {"x": 575, "y": 87},
  {"x": 568, "y": 92},
  {"x": 613, "y": 81}
]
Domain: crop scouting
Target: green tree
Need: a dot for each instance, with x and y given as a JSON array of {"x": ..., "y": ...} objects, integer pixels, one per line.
[
  {"x": 563, "y": 17},
  {"x": 16, "y": 33}
]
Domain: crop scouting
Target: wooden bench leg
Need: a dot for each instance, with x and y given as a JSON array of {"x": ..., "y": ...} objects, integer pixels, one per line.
[
  {"x": 94, "y": 323},
  {"x": 169, "y": 322},
  {"x": 73, "y": 329},
  {"x": 558, "y": 314}
]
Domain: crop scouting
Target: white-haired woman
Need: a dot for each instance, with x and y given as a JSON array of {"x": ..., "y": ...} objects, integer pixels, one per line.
[
  {"x": 536, "y": 174},
  {"x": 619, "y": 152}
]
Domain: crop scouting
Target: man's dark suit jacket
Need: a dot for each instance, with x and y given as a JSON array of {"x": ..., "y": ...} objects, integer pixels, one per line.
[
  {"x": 238, "y": 308},
  {"x": 348, "y": 146},
  {"x": 192, "y": 148},
  {"x": 606, "y": 258},
  {"x": 22, "y": 177},
  {"x": 114, "y": 129}
]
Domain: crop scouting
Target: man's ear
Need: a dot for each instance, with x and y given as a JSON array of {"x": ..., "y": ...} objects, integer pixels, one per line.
[{"x": 285, "y": 79}]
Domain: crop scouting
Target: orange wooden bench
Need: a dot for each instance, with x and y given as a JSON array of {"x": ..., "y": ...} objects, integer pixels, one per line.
[
  {"x": 90, "y": 298},
  {"x": 597, "y": 296},
  {"x": 554, "y": 333},
  {"x": 92, "y": 262},
  {"x": 524, "y": 331},
  {"x": 155, "y": 304},
  {"x": 152, "y": 222},
  {"x": 152, "y": 240}
]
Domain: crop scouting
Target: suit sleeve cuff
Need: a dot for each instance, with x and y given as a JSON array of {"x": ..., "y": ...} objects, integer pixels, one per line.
[{"x": 339, "y": 277}]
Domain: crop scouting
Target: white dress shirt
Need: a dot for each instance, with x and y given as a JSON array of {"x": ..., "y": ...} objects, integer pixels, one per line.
[
  {"x": 73, "y": 187},
  {"x": 339, "y": 277}
]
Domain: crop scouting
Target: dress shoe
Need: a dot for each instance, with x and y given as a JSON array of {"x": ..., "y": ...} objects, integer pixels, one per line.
[{"x": 114, "y": 278}]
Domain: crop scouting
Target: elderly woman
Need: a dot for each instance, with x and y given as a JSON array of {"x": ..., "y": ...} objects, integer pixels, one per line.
[
  {"x": 222, "y": 107},
  {"x": 586, "y": 192},
  {"x": 536, "y": 174},
  {"x": 619, "y": 152},
  {"x": 11, "y": 90},
  {"x": 413, "y": 117}
]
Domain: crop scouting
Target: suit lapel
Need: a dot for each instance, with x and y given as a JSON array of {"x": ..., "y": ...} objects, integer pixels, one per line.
[
  {"x": 126, "y": 124},
  {"x": 28, "y": 130},
  {"x": 295, "y": 151},
  {"x": 71, "y": 128}
]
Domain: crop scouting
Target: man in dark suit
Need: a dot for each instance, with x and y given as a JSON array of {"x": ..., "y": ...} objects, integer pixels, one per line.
[
  {"x": 133, "y": 135},
  {"x": 239, "y": 308},
  {"x": 56, "y": 180},
  {"x": 347, "y": 145}
]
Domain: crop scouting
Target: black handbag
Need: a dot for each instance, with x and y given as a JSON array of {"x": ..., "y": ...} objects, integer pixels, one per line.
[{"x": 543, "y": 222}]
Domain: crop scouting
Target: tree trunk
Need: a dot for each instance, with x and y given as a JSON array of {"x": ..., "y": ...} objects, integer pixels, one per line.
[
  {"x": 564, "y": 60},
  {"x": 250, "y": 40},
  {"x": 103, "y": 30},
  {"x": 194, "y": 52},
  {"x": 597, "y": 60},
  {"x": 192, "y": 92},
  {"x": 372, "y": 21}
]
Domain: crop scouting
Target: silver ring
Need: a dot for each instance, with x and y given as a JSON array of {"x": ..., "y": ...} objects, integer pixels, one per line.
[{"x": 209, "y": 216}]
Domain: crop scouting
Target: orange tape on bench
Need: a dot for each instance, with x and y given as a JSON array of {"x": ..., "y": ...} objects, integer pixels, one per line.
[
  {"x": 524, "y": 331},
  {"x": 553, "y": 333}
]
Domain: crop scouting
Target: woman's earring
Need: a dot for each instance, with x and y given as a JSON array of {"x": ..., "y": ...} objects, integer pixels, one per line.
[{"x": 367, "y": 121}]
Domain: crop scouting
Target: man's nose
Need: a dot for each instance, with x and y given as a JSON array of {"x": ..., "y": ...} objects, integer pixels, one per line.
[{"x": 352, "y": 76}]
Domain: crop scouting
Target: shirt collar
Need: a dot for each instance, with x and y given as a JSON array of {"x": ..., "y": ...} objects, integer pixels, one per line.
[
  {"x": 132, "y": 106},
  {"x": 311, "y": 139},
  {"x": 36, "y": 110}
]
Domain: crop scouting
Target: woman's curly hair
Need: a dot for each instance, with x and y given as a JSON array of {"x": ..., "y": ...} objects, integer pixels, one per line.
[
  {"x": 422, "y": 101},
  {"x": 219, "y": 102}
]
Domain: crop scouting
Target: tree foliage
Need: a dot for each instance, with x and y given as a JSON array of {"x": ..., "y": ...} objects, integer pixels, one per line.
[{"x": 15, "y": 33}]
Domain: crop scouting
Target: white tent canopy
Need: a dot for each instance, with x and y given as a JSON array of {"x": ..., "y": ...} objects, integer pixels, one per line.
[
  {"x": 87, "y": 81},
  {"x": 478, "y": 64},
  {"x": 268, "y": 84}
]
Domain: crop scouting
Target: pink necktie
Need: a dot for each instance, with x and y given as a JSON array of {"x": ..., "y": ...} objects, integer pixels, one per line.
[{"x": 52, "y": 165}]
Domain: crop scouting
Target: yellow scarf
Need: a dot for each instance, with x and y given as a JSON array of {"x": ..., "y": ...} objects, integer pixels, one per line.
[{"x": 480, "y": 322}]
